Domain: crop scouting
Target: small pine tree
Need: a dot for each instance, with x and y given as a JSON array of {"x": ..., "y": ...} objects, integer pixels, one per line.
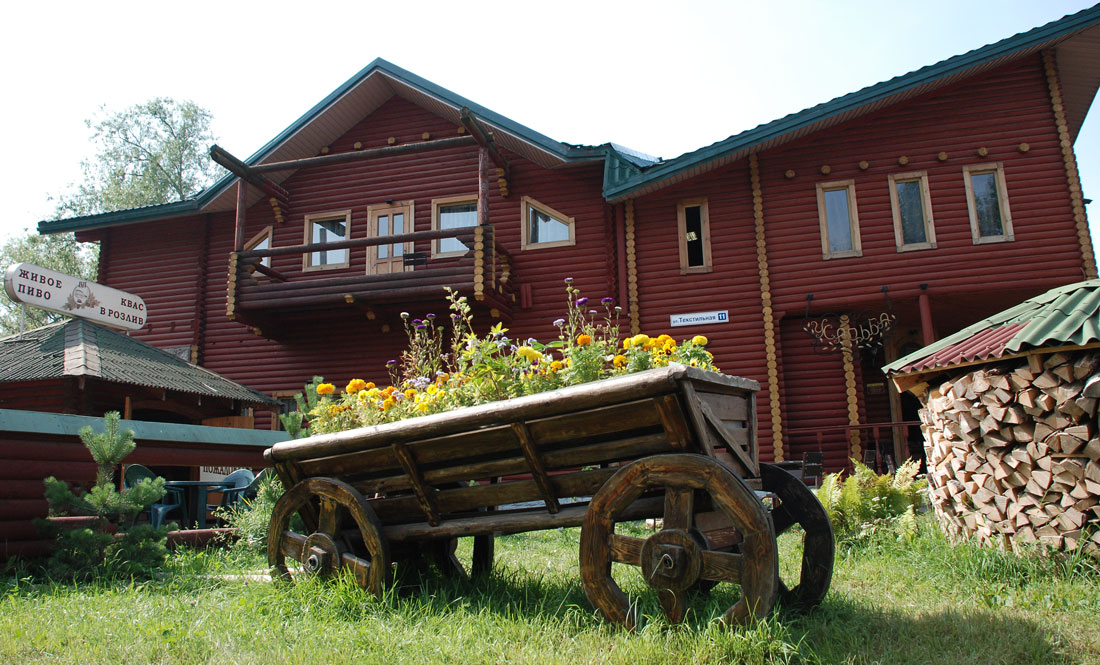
[{"x": 83, "y": 553}]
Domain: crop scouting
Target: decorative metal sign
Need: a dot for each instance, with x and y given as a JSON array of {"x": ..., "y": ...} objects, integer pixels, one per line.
[
  {"x": 72, "y": 296},
  {"x": 699, "y": 318},
  {"x": 860, "y": 330}
]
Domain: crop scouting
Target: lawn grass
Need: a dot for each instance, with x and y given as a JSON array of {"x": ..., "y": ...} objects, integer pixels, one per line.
[{"x": 925, "y": 601}]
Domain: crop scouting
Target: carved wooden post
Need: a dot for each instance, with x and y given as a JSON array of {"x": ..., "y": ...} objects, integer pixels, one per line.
[
  {"x": 482, "y": 187},
  {"x": 238, "y": 238}
]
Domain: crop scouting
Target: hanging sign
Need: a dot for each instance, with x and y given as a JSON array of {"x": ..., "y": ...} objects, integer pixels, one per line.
[
  {"x": 699, "y": 318},
  {"x": 72, "y": 296}
]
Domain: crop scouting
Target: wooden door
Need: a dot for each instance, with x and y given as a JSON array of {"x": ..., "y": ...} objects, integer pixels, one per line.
[{"x": 389, "y": 220}]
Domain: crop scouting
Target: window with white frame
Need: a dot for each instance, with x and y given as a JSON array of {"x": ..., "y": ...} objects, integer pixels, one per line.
[
  {"x": 324, "y": 228},
  {"x": 987, "y": 201},
  {"x": 542, "y": 226},
  {"x": 839, "y": 219},
  {"x": 457, "y": 212},
  {"x": 693, "y": 226},
  {"x": 261, "y": 240},
  {"x": 912, "y": 210}
]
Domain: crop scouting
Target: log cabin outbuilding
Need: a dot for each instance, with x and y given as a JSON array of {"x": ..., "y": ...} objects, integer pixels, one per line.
[{"x": 810, "y": 250}]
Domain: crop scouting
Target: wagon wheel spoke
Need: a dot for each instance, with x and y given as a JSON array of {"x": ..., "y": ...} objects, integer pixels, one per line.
[
  {"x": 359, "y": 567},
  {"x": 674, "y": 604},
  {"x": 626, "y": 549},
  {"x": 330, "y": 519},
  {"x": 722, "y": 566},
  {"x": 679, "y": 506},
  {"x": 291, "y": 544}
]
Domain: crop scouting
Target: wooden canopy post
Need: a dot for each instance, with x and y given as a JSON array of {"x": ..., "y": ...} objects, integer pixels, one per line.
[
  {"x": 928, "y": 331},
  {"x": 242, "y": 203},
  {"x": 482, "y": 187}
]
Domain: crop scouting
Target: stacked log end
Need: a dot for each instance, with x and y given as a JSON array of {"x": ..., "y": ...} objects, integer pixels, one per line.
[{"x": 1014, "y": 454}]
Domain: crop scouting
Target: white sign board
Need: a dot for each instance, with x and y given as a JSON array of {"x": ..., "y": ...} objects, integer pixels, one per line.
[
  {"x": 48, "y": 289},
  {"x": 699, "y": 318}
]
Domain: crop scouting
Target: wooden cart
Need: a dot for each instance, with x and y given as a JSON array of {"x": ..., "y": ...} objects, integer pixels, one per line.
[{"x": 675, "y": 443}]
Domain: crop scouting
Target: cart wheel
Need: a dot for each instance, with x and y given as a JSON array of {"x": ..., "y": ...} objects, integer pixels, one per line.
[
  {"x": 798, "y": 505},
  {"x": 326, "y": 550},
  {"x": 674, "y": 559}
]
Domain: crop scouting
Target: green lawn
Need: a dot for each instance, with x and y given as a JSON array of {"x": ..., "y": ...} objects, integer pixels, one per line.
[{"x": 923, "y": 602}]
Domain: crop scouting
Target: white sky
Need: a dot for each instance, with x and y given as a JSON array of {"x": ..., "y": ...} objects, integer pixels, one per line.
[{"x": 660, "y": 77}]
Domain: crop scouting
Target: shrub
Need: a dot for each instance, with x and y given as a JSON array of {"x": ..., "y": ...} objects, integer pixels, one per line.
[
  {"x": 251, "y": 518},
  {"x": 83, "y": 553},
  {"x": 866, "y": 504}
]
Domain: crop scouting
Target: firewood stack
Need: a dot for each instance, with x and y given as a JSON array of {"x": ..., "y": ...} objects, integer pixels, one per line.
[{"x": 1014, "y": 454}]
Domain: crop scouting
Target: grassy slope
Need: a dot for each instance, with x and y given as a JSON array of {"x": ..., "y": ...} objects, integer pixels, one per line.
[{"x": 924, "y": 602}]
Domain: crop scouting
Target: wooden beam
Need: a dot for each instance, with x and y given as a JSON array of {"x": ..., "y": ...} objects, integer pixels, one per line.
[
  {"x": 538, "y": 472},
  {"x": 485, "y": 140},
  {"x": 248, "y": 173},
  {"x": 242, "y": 205},
  {"x": 340, "y": 158},
  {"x": 424, "y": 494}
]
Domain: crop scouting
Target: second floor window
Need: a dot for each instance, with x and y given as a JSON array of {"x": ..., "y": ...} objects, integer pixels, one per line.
[
  {"x": 693, "y": 226},
  {"x": 452, "y": 213},
  {"x": 544, "y": 227},
  {"x": 326, "y": 228},
  {"x": 912, "y": 209},
  {"x": 987, "y": 201},
  {"x": 839, "y": 219}
]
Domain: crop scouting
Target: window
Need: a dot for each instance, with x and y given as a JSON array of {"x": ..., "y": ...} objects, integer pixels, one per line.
[
  {"x": 987, "y": 200},
  {"x": 457, "y": 212},
  {"x": 542, "y": 226},
  {"x": 912, "y": 209},
  {"x": 391, "y": 219},
  {"x": 839, "y": 219},
  {"x": 693, "y": 227},
  {"x": 324, "y": 228},
  {"x": 261, "y": 240}
]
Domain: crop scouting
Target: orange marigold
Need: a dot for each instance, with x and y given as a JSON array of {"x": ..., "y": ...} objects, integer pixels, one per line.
[
  {"x": 355, "y": 385},
  {"x": 325, "y": 388},
  {"x": 584, "y": 340},
  {"x": 619, "y": 360}
]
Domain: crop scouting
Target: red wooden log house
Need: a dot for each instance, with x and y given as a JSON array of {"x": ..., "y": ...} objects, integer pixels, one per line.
[{"x": 877, "y": 221}]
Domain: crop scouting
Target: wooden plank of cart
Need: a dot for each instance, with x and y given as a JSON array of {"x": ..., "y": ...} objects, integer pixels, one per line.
[{"x": 675, "y": 443}]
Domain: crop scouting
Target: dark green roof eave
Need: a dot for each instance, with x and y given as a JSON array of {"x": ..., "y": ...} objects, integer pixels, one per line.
[
  {"x": 119, "y": 217},
  {"x": 745, "y": 141}
]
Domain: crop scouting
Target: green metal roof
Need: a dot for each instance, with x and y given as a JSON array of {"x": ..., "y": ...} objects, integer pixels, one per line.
[
  {"x": 1064, "y": 316},
  {"x": 623, "y": 182},
  {"x": 81, "y": 348}
]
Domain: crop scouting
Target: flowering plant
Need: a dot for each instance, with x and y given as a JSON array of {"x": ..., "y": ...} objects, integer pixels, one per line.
[{"x": 448, "y": 365}]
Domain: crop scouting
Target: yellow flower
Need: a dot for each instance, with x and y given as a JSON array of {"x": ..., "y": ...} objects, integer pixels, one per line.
[
  {"x": 370, "y": 385},
  {"x": 387, "y": 404},
  {"x": 640, "y": 339},
  {"x": 529, "y": 354},
  {"x": 699, "y": 340},
  {"x": 584, "y": 340},
  {"x": 363, "y": 395},
  {"x": 665, "y": 339},
  {"x": 433, "y": 389},
  {"x": 556, "y": 365},
  {"x": 443, "y": 378},
  {"x": 325, "y": 388},
  {"x": 354, "y": 386},
  {"x": 422, "y": 407},
  {"x": 627, "y": 342},
  {"x": 619, "y": 360},
  {"x": 410, "y": 392}
]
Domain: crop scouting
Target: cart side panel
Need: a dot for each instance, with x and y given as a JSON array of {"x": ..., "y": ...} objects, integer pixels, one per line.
[{"x": 724, "y": 419}]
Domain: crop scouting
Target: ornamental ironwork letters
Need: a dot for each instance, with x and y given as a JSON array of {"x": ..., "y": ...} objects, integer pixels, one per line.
[{"x": 865, "y": 330}]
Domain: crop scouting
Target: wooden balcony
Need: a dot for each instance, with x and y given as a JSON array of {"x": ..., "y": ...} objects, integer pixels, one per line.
[{"x": 269, "y": 300}]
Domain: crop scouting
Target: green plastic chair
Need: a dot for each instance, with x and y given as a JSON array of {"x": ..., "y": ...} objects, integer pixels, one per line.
[
  {"x": 239, "y": 481},
  {"x": 173, "y": 500}
]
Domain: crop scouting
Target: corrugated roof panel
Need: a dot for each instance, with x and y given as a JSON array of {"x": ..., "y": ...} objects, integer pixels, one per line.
[
  {"x": 1063, "y": 316},
  {"x": 95, "y": 350}
]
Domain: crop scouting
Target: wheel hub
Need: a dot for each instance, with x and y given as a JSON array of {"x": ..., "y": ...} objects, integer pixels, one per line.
[
  {"x": 671, "y": 559},
  {"x": 320, "y": 555}
]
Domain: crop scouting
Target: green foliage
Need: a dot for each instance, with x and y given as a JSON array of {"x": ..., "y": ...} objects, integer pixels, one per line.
[
  {"x": 149, "y": 153},
  {"x": 251, "y": 518},
  {"x": 865, "y": 503},
  {"x": 84, "y": 553},
  {"x": 59, "y": 252}
]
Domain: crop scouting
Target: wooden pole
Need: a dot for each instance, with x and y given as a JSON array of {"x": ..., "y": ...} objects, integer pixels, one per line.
[
  {"x": 927, "y": 329},
  {"x": 482, "y": 187},
  {"x": 242, "y": 203},
  {"x": 339, "y": 158}
]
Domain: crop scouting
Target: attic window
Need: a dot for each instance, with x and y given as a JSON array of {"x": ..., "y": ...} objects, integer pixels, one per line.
[
  {"x": 693, "y": 227},
  {"x": 542, "y": 226}
]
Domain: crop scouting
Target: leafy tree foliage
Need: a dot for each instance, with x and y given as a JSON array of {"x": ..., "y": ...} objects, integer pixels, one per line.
[
  {"x": 149, "y": 153},
  {"x": 59, "y": 252}
]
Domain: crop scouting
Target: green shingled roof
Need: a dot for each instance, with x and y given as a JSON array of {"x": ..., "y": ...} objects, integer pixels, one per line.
[
  {"x": 81, "y": 348},
  {"x": 1064, "y": 316}
]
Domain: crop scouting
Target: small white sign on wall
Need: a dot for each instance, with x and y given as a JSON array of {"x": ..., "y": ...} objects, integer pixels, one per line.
[{"x": 699, "y": 318}]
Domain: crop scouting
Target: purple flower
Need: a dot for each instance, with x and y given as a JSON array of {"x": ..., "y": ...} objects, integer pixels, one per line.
[
  {"x": 422, "y": 327},
  {"x": 568, "y": 280},
  {"x": 417, "y": 322},
  {"x": 581, "y": 302},
  {"x": 456, "y": 317},
  {"x": 429, "y": 315},
  {"x": 513, "y": 348},
  {"x": 559, "y": 322},
  {"x": 608, "y": 300},
  {"x": 391, "y": 362}
]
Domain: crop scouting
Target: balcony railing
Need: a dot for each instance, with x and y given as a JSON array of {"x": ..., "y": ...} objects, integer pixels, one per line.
[
  {"x": 877, "y": 443},
  {"x": 483, "y": 274}
]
